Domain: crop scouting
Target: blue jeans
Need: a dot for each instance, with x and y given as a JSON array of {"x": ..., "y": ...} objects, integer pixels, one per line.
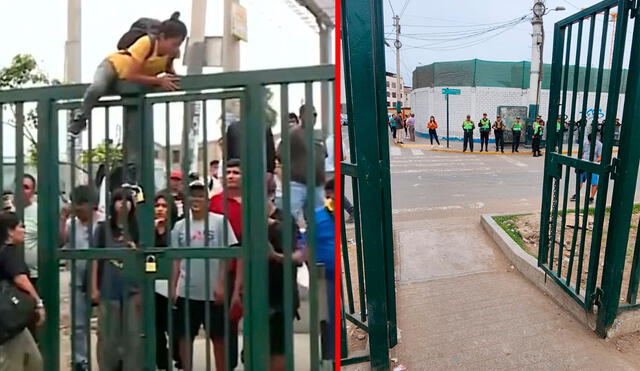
[{"x": 299, "y": 199}]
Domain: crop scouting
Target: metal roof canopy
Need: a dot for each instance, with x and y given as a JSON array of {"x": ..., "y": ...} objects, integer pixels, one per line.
[{"x": 323, "y": 10}]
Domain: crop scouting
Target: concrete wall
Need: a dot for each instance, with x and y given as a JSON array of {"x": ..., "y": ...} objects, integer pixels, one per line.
[{"x": 476, "y": 100}]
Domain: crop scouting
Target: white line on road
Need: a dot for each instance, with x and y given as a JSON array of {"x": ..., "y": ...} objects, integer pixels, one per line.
[
  {"x": 423, "y": 170},
  {"x": 395, "y": 151},
  {"x": 422, "y": 209},
  {"x": 513, "y": 161},
  {"x": 417, "y": 152}
]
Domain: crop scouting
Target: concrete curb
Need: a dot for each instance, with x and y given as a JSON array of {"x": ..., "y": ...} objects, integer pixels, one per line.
[
  {"x": 626, "y": 322},
  {"x": 528, "y": 266}
]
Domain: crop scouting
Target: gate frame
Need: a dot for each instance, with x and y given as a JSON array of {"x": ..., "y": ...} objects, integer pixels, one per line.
[{"x": 623, "y": 169}]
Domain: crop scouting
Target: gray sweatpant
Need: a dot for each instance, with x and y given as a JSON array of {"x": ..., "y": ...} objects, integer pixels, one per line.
[
  {"x": 20, "y": 354},
  {"x": 103, "y": 81},
  {"x": 119, "y": 335}
]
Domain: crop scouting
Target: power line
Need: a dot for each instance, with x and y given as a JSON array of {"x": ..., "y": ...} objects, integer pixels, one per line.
[
  {"x": 571, "y": 4},
  {"x": 463, "y": 36},
  {"x": 392, "y": 12},
  {"x": 406, "y": 3}
]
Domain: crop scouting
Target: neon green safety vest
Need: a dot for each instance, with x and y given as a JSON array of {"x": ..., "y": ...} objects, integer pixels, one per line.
[
  {"x": 537, "y": 129},
  {"x": 467, "y": 125},
  {"x": 559, "y": 126},
  {"x": 517, "y": 126},
  {"x": 485, "y": 125}
]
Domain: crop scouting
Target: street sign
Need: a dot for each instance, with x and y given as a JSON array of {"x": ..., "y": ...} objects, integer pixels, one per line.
[{"x": 447, "y": 91}]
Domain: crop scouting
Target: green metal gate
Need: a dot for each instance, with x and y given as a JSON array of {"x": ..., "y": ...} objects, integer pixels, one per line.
[
  {"x": 374, "y": 309},
  {"x": 140, "y": 111},
  {"x": 576, "y": 239}
]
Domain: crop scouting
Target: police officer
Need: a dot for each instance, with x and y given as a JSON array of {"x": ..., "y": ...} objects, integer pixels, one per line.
[
  {"x": 516, "y": 130},
  {"x": 538, "y": 127},
  {"x": 485, "y": 128},
  {"x": 467, "y": 127},
  {"x": 498, "y": 131}
]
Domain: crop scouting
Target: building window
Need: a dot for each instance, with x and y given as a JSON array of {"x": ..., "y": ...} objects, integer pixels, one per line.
[
  {"x": 156, "y": 154},
  {"x": 176, "y": 156},
  {"x": 388, "y": 104},
  {"x": 393, "y": 95},
  {"x": 388, "y": 94},
  {"x": 393, "y": 85},
  {"x": 387, "y": 84}
]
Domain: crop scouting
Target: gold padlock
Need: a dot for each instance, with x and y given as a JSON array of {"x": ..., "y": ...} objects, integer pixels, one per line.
[{"x": 150, "y": 264}]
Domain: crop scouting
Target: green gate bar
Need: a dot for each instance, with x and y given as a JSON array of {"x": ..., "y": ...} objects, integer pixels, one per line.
[
  {"x": 623, "y": 169},
  {"x": 363, "y": 56}
]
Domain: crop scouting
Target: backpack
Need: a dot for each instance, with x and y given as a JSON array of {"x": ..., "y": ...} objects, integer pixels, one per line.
[
  {"x": 17, "y": 309},
  {"x": 140, "y": 28}
]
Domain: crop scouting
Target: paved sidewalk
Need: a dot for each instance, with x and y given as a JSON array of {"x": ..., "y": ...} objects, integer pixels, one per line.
[{"x": 462, "y": 306}]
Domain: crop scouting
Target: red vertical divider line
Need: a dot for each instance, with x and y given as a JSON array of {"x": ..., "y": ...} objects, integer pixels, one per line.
[{"x": 337, "y": 147}]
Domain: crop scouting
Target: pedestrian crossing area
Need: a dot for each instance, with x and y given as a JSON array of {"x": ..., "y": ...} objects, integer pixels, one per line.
[{"x": 422, "y": 160}]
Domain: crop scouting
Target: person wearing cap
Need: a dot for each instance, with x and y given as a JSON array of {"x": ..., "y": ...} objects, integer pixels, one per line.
[
  {"x": 538, "y": 128},
  {"x": 516, "y": 130},
  {"x": 175, "y": 190},
  {"x": 498, "y": 131},
  {"x": 467, "y": 127},
  {"x": 485, "y": 128},
  {"x": 201, "y": 234}
]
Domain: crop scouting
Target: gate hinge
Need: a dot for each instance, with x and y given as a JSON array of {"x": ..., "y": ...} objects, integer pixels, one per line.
[{"x": 615, "y": 162}]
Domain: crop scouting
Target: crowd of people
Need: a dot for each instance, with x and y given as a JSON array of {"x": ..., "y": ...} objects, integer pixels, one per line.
[{"x": 195, "y": 219}]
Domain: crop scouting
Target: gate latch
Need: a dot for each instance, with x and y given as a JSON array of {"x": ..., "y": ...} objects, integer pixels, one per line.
[
  {"x": 150, "y": 264},
  {"x": 614, "y": 167},
  {"x": 596, "y": 297}
]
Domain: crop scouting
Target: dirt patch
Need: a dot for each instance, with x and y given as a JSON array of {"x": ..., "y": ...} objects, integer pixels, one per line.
[
  {"x": 568, "y": 247},
  {"x": 356, "y": 338}
]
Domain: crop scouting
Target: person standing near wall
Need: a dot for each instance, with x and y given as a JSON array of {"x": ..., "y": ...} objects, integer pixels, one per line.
[
  {"x": 485, "y": 128},
  {"x": 399, "y": 122},
  {"x": 538, "y": 128},
  {"x": 516, "y": 129},
  {"x": 498, "y": 131},
  {"x": 432, "y": 125},
  {"x": 411, "y": 124},
  {"x": 392, "y": 126},
  {"x": 468, "y": 127}
]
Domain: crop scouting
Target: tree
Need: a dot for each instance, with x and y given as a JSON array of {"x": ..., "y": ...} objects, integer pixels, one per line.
[
  {"x": 99, "y": 155},
  {"x": 24, "y": 71}
]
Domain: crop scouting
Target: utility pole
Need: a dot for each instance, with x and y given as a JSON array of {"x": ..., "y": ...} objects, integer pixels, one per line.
[
  {"x": 398, "y": 45},
  {"x": 230, "y": 51},
  {"x": 195, "y": 64},
  {"x": 325, "y": 92},
  {"x": 73, "y": 64},
  {"x": 537, "y": 43}
]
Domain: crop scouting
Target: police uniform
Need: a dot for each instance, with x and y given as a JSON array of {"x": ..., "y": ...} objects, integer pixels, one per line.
[
  {"x": 467, "y": 127},
  {"x": 516, "y": 129},
  {"x": 498, "y": 131},
  {"x": 537, "y": 137},
  {"x": 485, "y": 128}
]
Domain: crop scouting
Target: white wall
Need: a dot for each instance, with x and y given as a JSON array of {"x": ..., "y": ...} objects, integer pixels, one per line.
[{"x": 476, "y": 100}]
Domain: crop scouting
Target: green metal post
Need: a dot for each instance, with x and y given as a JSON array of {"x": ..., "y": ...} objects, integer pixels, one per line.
[
  {"x": 146, "y": 179},
  {"x": 626, "y": 173},
  {"x": 255, "y": 242},
  {"x": 367, "y": 55},
  {"x": 48, "y": 221}
]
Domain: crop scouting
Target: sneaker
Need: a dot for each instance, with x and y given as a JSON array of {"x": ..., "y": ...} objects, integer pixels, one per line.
[
  {"x": 76, "y": 126},
  {"x": 573, "y": 198},
  {"x": 503, "y": 151},
  {"x": 349, "y": 219},
  {"x": 81, "y": 366},
  {"x": 591, "y": 200}
]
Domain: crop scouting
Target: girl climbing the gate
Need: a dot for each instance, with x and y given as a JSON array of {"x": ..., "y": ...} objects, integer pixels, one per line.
[{"x": 145, "y": 52}]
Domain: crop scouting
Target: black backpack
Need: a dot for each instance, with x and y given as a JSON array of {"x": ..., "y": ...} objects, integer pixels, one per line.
[{"x": 140, "y": 28}]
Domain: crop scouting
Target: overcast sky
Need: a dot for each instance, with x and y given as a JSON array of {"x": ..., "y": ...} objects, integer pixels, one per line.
[
  {"x": 429, "y": 26},
  {"x": 278, "y": 38}
]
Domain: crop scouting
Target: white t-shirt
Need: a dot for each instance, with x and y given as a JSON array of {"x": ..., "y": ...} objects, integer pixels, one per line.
[
  {"x": 197, "y": 288},
  {"x": 329, "y": 161},
  {"x": 31, "y": 238},
  {"x": 586, "y": 150},
  {"x": 80, "y": 242}
]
